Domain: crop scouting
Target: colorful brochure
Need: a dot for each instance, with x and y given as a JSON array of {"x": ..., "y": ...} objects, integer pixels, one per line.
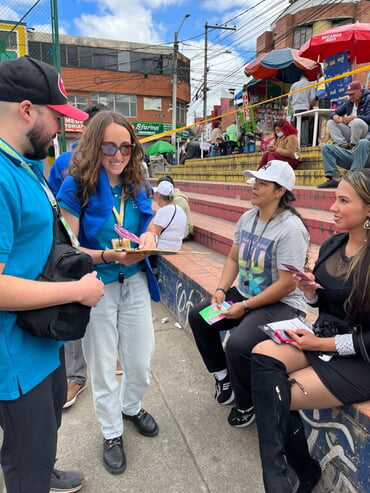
[{"x": 213, "y": 313}]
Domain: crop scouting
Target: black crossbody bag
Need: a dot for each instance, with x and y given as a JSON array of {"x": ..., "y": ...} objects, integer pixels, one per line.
[{"x": 65, "y": 263}]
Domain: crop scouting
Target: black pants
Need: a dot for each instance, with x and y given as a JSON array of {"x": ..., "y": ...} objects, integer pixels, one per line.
[
  {"x": 244, "y": 336},
  {"x": 306, "y": 129},
  {"x": 30, "y": 425}
]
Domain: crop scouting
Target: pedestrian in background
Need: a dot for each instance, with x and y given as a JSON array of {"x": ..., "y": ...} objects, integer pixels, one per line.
[{"x": 303, "y": 100}]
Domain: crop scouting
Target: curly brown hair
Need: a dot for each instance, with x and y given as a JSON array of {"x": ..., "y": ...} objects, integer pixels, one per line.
[{"x": 86, "y": 158}]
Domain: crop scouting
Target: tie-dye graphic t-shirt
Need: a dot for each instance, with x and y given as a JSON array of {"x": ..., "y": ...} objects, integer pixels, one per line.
[{"x": 284, "y": 241}]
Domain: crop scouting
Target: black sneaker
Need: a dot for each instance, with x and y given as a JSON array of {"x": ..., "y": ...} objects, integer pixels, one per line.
[
  {"x": 66, "y": 481},
  {"x": 329, "y": 183},
  {"x": 240, "y": 418},
  {"x": 224, "y": 393}
]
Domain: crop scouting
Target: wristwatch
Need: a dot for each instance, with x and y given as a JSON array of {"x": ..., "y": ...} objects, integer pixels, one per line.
[
  {"x": 155, "y": 238},
  {"x": 245, "y": 306}
]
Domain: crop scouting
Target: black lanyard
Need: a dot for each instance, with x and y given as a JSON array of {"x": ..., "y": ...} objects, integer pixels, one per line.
[{"x": 251, "y": 250}]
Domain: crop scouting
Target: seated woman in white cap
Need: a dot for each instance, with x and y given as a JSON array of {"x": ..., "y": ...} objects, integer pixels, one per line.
[
  {"x": 170, "y": 220},
  {"x": 266, "y": 237}
]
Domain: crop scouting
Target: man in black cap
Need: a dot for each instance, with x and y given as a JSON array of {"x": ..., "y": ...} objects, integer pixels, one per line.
[{"x": 32, "y": 372}]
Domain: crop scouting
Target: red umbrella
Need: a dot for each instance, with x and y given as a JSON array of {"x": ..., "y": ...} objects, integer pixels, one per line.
[
  {"x": 354, "y": 38},
  {"x": 283, "y": 64}
]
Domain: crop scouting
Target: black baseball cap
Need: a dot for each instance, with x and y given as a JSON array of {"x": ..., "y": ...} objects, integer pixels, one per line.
[{"x": 27, "y": 78}]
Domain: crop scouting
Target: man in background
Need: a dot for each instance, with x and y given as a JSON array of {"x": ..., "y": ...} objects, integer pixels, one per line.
[
  {"x": 334, "y": 156},
  {"x": 303, "y": 100},
  {"x": 351, "y": 120}
]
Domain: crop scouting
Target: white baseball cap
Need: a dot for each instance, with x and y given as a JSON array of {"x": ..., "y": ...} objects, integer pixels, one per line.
[
  {"x": 278, "y": 171},
  {"x": 164, "y": 188}
]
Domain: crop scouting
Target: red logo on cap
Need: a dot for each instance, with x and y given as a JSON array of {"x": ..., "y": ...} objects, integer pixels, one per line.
[{"x": 62, "y": 89}]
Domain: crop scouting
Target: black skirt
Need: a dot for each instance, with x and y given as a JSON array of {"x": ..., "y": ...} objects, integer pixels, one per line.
[{"x": 347, "y": 378}]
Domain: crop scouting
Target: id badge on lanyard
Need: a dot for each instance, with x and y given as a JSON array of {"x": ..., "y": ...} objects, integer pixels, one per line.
[{"x": 118, "y": 243}]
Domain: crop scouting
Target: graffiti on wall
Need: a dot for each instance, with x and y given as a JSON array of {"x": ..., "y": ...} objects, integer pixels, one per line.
[{"x": 341, "y": 448}]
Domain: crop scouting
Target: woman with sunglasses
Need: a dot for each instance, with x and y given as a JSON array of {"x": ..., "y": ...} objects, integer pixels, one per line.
[{"x": 106, "y": 187}]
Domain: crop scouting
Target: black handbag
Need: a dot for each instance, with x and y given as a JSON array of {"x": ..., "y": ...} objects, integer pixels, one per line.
[
  {"x": 65, "y": 263},
  {"x": 329, "y": 326}
]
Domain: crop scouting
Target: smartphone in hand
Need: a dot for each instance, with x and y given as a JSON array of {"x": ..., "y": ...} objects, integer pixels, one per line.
[
  {"x": 301, "y": 276},
  {"x": 283, "y": 336}
]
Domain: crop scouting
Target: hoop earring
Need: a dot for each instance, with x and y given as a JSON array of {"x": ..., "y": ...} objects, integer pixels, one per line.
[{"x": 367, "y": 223}]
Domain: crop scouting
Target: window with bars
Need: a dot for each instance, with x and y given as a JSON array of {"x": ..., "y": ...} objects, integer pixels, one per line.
[
  {"x": 300, "y": 35},
  {"x": 78, "y": 101},
  {"x": 122, "y": 103}
]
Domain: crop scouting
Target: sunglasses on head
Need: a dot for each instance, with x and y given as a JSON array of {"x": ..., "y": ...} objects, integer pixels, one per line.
[{"x": 111, "y": 149}]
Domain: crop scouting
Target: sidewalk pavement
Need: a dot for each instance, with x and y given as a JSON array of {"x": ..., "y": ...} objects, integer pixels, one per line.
[{"x": 196, "y": 450}]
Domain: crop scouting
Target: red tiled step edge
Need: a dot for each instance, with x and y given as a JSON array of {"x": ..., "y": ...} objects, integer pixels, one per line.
[
  {"x": 306, "y": 196},
  {"x": 319, "y": 222},
  {"x": 217, "y": 234}
]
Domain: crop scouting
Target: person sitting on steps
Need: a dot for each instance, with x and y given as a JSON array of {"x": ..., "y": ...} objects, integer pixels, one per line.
[
  {"x": 285, "y": 145},
  {"x": 350, "y": 122},
  {"x": 266, "y": 237},
  {"x": 318, "y": 372},
  {"x": 334, "y": 156}
]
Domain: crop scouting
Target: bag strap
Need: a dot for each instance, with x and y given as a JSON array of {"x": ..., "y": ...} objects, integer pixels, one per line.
[
  {"x": 173, "y": 215},
  {"x": 46, "y": 187},
  {"x": 362, "y": 346}
]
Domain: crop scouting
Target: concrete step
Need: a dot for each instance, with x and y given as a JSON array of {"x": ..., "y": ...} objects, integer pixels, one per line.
[
  {"x": 306, "y": 196},
  {"x": 217, "y": 235},
  {"x": 318, "y": 222}
]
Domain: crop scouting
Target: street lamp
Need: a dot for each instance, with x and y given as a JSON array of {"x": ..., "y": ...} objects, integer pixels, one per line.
[{"x": 174, "y": 81}]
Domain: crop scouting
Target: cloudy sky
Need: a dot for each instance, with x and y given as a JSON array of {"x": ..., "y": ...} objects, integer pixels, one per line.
[{"x": 156, "y": 21}]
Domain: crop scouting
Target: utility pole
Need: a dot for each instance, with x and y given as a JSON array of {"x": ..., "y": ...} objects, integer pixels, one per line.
[
  {"x": 174, "y": 80},
  {"x": 56, "y": 60},
  {"x": 205, "y": 89}
]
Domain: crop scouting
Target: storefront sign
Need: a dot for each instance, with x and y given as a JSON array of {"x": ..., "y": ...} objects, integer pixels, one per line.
[
  {"x": 71, "y": 125},
  {"x": 154, "y": 128}
]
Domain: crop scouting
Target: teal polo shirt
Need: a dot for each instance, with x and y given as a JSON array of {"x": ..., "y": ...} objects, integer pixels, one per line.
[{"x": 25, "y": 243}]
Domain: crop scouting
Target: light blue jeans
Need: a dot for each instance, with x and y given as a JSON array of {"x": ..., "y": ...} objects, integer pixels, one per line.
[
  {"x": 334, "y": 156},
  {"x": 120, "y": 323}
]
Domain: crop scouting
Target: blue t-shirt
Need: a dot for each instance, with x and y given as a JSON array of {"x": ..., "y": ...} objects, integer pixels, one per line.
[
  {"x": 25, "y": 242},
  {"x": 109, "y": 272}
]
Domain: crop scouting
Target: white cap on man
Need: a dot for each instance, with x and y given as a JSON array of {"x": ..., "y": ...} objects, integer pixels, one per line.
[
  {"x": 278, "y": 171},
  {"x": 164, "y": 188}
]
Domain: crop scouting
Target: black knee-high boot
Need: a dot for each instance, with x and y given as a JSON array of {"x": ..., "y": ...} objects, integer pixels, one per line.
[
  {"x": 271, "y": 398},
  {"x": 308, "y": 469}
]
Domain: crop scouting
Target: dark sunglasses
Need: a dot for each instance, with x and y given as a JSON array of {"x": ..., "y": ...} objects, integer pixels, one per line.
[{"x": 111, "y": 149}]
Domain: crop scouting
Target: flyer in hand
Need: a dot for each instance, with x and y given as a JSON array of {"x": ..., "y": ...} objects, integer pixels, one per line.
[
  {"x": 213, "y": 313},
  {"x": 159, "y": 251},
  {"x": 276, "y": 330}
]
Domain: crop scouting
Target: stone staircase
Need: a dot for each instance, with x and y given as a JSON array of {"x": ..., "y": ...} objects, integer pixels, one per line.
[
  {"x": 230, "y": 168},
  {"x": 218, "y": 195}
]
